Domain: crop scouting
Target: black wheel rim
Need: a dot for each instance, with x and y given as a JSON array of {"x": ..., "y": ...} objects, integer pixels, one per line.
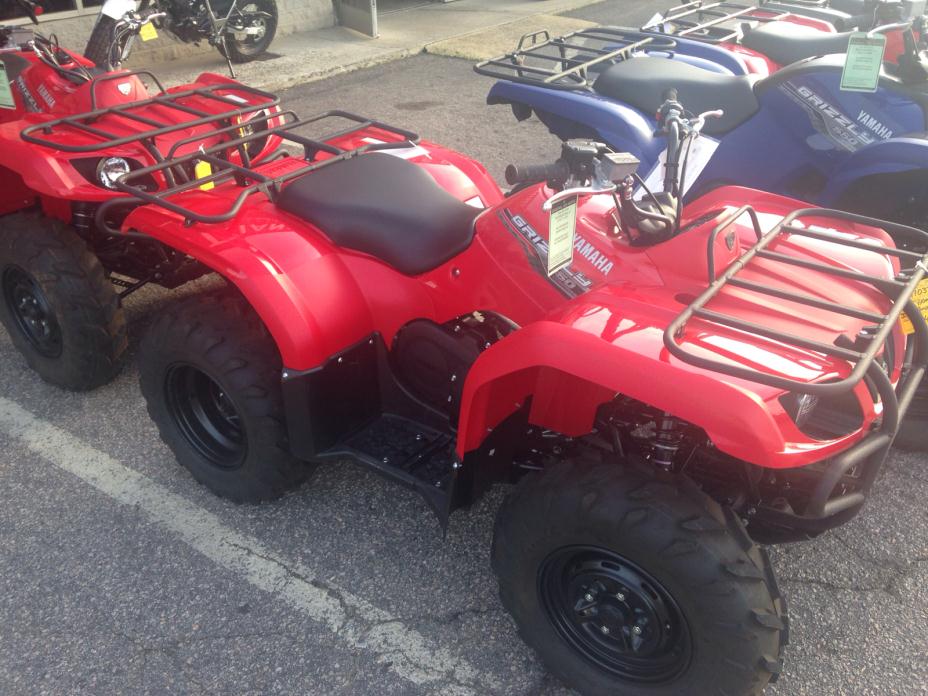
[
  {"x": 615, "y": 614},
  {"x": 31, "y": 312},
  {"x": 206, "y": 416},
  {"x": 251, "y": 16}
]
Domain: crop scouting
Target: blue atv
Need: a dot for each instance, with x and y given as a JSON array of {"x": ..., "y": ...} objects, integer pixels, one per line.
[{"x": 795, "y": 132}]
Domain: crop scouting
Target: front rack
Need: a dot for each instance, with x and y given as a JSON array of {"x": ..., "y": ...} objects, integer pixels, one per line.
[
  {"x": 566, "y": 62},
  {"x": 92, "y": 124},
  {"x": 709, "y": 22},
  {"x": 861, "y": 462},
  {"x": 246, "y": 177}
]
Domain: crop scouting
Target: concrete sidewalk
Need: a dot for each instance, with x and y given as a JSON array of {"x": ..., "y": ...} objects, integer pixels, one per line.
[{"x": 314, "y": 55}]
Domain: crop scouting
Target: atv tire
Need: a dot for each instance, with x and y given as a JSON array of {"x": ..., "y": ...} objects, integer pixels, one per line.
[
  {"x": 913, "y": 431},
  {"x": 625, "y": 584},
  {"x": 60, "y": 309},
  {"x": 210, "y": 373}
]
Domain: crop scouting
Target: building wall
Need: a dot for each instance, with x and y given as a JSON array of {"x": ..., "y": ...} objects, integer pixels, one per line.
[{"x": 295, "y": 15}]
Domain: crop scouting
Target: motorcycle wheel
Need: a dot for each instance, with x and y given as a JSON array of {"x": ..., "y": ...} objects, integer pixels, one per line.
[{"x": 241, "y": 47}]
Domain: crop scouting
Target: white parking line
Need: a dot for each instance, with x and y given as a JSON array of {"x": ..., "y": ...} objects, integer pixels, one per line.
[{"x": 354, "y": 621}]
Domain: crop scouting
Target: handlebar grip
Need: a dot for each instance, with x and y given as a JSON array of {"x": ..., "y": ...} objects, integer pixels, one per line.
[{"x": 535, "y": 173}]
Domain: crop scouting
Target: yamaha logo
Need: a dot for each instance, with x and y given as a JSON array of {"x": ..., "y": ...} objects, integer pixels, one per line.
[{"x": 124, "y": 88}]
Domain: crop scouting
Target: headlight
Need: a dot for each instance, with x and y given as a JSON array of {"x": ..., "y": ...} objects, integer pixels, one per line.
[
  {"x": 110, "y": 169},
  {"x": 799, "y": 406}
]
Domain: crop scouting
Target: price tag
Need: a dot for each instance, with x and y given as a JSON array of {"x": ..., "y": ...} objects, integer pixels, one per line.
[
  {"x": 920, "y": 298},
  {"x": 148, "y": 32},
  {"x": 201, "y": 170},
  {"x": 6, "y": 92},
  {"x": 863, "y": 62},
  {"x": 117, "y": 9},
  {"x": 562, "y": 225}
]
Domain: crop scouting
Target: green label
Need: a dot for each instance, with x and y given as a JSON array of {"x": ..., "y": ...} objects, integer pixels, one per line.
[
  {"x": 562, "y": 225},
  {"x": 863, "y": 62},
  {"x": 6, "y": 93}
]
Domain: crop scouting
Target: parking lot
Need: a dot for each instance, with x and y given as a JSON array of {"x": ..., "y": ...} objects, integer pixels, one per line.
[{"x": 119, "y": 574}]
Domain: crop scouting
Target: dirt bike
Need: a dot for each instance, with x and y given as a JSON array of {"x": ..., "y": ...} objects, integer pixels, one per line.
[
  {"x": 241, "y": 30},
  {"x": 653, "y": 375}
]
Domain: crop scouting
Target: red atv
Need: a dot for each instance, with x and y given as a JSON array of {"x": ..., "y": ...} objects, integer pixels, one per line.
[
  {"x": 660, "y": 384},
  {"x": 773, "y": 35},
  {"x": 67, "y": 131}
]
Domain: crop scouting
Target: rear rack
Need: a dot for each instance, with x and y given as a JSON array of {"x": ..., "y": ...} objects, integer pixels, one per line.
[
  {"x": 704, "y": 21},
  {"x": 54, "y": 134},
  {"x": 861, "y": 462},
  {"x": 566, "y": 62},
  {"x": 244, "y": 175}
]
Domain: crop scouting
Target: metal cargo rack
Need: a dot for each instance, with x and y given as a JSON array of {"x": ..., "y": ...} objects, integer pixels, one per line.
[
  {"x": 245, "y": 176},
  {"x": 565, "y": 62},
  {"x": 862, "y": 461},
  {"x": 704, "y": 21},
  {"x": 55, "y": 134}
]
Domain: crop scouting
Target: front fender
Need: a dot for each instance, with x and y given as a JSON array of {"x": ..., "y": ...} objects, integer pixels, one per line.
[
  {"x": 569, "y": 373},
  {"x": 570, "y": 114},
  {"x": 883, "y": 157},
  {"x": 289, "y": 273}
]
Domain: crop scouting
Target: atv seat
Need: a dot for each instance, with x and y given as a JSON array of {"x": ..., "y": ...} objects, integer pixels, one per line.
[
  {"x": 642, "y": 82},
  {"x": 384, "y": 206},
  {"x": 785, "y": 42}
]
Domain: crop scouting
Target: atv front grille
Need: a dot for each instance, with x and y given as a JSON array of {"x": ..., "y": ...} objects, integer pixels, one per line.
[
  {"x": 134, "y": 122},
  {"x": 711, "y": 22},
  {"x": 572, "y": 61},
  {"x": 862, "y": 353},
  {"x": 248, "y": 180}
]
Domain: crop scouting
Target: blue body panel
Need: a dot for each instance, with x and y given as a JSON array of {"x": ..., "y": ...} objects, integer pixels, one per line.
[{"x": 809, "y": 139}]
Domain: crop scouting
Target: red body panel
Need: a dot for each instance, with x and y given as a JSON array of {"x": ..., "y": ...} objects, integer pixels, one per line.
[
  {"x": 573, "y": 353},
  {"x": 43, "y": 95}
]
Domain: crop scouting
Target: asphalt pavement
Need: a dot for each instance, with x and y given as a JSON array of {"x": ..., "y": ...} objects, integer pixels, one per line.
[{"x": 120, "y": 575}]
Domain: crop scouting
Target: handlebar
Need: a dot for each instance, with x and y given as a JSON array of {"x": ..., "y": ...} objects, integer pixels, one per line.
[{"x": 536, "y": 173}]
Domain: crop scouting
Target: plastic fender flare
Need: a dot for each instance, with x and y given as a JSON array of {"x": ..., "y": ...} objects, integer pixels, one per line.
[
  {"x": 569, "y": 374},
  {"x": 290, "y": 275},
  {"x": 884, "y": 157},
  {"x": 622, "y": 127}
]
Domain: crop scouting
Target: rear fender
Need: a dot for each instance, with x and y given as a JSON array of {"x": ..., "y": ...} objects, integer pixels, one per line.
[
  {"x": 581, "y": 114},
  {"x": 569, "y": 373},
  {"x": 885, "y": 157},
  {"x": 289, "y": 273}
]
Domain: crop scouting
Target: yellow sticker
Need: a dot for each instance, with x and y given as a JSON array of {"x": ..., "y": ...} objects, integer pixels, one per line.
[
  {"x": 201, "y": 170},
  {"x": 920, "y": 298},
  {"x": 148, "y": 32}
]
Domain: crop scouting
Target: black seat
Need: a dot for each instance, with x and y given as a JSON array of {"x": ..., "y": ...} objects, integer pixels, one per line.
[
  {"x": 785, "y": 42},
  {"x": 643, "y": 81},
  {"x": 384, "y": 206}
]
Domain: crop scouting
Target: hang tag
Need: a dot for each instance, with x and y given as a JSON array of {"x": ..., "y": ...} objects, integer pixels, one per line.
[
  {"x": 117, "y": 9},
  {"x": 920, "y": 298},
  {"x": 6, "y": 91},
  {"x": 562, "y": 226},
  {"x": 863, "y": 62},
  {"x": 201, "y": 170},
  {"x": 148, "y": 32},
  {"x": 699, "y": 152}
]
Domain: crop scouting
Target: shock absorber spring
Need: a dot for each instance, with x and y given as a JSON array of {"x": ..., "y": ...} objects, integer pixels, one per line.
[{"x": 666, "y": 443}]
